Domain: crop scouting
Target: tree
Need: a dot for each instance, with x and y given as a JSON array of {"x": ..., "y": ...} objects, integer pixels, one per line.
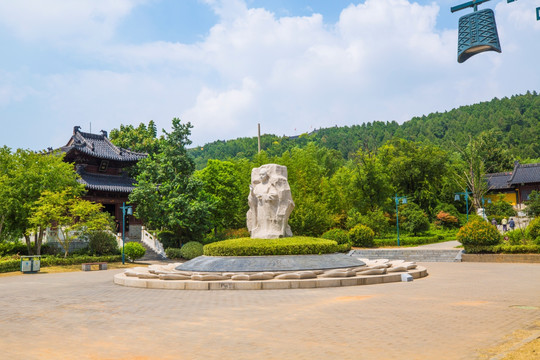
[
  {"x": 416, "y": 169},
  {"x": 140, "y": 139},
  {"x": 166, "y": 193},
  {"x": 533, "y": 204},
  {"x": 71, "y": 216},
  {"x": 24, "y": 176},
  {"x": 221, "y": 181},
  {"x": 414, "y": 220}
]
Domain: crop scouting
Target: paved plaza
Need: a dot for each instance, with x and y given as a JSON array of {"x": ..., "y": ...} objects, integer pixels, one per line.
[{"x": 458, "y": 312}]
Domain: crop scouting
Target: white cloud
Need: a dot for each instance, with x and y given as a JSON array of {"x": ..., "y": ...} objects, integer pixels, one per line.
[
  {"x": 383, "y": 60},
  {"x": 64, "y": 21}
]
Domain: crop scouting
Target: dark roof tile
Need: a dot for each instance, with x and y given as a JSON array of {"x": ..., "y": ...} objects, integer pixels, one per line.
[
  {"x": 110, "y": 183},
  {"x": 526, "y": 174},
  {"x": 100, "y": 146}
]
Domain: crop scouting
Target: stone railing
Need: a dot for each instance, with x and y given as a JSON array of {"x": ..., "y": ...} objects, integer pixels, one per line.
[{"x": 152, "y": 242}]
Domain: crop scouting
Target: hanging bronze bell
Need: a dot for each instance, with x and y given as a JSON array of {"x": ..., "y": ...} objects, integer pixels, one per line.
[{"x": 477, "y": 33}]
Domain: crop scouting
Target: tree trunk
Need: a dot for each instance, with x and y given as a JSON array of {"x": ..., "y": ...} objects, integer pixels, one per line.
[{"x": 29, "y": 244}]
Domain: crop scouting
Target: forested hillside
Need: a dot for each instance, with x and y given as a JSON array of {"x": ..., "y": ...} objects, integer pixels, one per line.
[{"x": 513, "y": 122}]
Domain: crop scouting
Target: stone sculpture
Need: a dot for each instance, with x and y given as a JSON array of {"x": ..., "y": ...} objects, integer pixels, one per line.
[{"x": 270, "y": 203}]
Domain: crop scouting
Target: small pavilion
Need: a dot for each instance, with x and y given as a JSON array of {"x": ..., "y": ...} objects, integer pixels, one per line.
[{"x": 103, "y": 170}]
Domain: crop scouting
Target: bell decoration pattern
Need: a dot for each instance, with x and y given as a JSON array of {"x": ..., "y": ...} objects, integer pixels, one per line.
[{"x": 477, "y": 33}]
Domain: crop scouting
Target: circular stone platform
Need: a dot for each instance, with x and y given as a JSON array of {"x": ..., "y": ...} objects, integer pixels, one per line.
[
  {"x": 301, "y": 274},
  {"x": 270, "y": 263}
]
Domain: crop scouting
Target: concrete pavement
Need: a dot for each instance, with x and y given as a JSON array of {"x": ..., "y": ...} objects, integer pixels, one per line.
[{"x": 457, "y": 312}]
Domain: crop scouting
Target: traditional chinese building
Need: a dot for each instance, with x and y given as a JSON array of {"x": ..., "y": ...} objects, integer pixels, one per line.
[
  {"x": 103, "y": 170},
  {"x": 516, "y": 185}
]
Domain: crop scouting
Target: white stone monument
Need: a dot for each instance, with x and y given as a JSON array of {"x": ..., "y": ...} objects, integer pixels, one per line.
[{"x": 270, "y": 203}]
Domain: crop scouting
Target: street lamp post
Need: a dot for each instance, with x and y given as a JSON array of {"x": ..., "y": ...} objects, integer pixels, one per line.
[
  {"x": 466, "y": 194},
  {"x": 125, "y": 210},
  {"x": 404, "y": 201}
]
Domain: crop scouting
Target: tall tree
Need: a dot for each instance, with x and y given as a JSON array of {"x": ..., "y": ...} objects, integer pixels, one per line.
[
  {"x": 221, "y": 181},
  {"x": 24, "y": 176},
  {"x": 166, "y": 194}
]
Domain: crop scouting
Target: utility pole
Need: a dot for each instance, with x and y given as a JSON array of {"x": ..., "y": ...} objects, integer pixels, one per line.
[{"x": 259, "y": 136}]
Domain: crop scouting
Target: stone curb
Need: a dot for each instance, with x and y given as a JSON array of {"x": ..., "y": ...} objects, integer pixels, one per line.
[
  {"x": 501, "y": 258},
  {"x": 122, "y": 279}
]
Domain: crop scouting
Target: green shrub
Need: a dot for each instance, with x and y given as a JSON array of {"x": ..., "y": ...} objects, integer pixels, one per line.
[
  {"x": 102, "y": 243},
  {"x": 533, "y": 229},
  {"x": 516, "y": 237},
  {"x": 169, "y": 239},
  {"x": 51, "y": 249},
  {"x": 416, "y": 240},
  {"x": 500, "y": 208},
  {"x": 298, "y": 245},
  {"x": 375, "y": 220},
  {"x": 134, "y": 251},
  {"x": 413, "y": 219},
  {"x": 338, "y": 235},
  {"x": 477, "y": 236},
  {"x": 13, "y": 248},
  {"x": 10, "y": 265},
  {"x": 173, "y": 253},
  {"x": 191, "y": 250},
  {"x": 533, "y": 204},
  {"x": 516, "y": 249},
  {"x": 361, "y": 236}
]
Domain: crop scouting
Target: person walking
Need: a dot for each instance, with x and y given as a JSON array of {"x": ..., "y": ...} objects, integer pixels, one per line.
[
  {"x": 512, "y": 224},
  {"x": 494, "y": 222},
  {"x": 504, "y": 223}
]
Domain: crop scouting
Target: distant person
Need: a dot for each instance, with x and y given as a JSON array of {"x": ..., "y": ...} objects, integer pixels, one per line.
[
  {"x": 494, "y": 222},
  {"x": 504, "y": 223},
  {"x": 512, "y": 224}
]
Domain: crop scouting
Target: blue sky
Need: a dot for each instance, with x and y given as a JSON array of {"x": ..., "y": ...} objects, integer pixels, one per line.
[{"x": 226, "y": 65}]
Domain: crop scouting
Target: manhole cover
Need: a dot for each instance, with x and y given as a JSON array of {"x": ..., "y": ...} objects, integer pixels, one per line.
[{"x": 525, "y": 307}]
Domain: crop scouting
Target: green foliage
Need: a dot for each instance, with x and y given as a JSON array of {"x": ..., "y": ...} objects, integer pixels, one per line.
[
  {"x": 286, "y": 246},
  {"x": 416, "y": 169},
  {"x": 413, "y": 219},
  {"x": 222, "y": 182},
  {"x": 476, "y": 235},
  {"x": 338, "y": 235},
  {"x": 413, "y": 240},
  {"x": 166, "y": 194},
  {"x": 361, "y": 236},
  {"x": 173, "y": 253},
  {"x": 516, "y": 249},
  {"x": 191, "y": 250},
  {"x": 24, "y": 177},
  {"x": 10, "y": 265},
  {"x": 533, "y": 229},
  {"x": 375, "y": 220},
  {"x": 225, "y": 235},
  {"x": 134, "y": 251},
  {"x": 517, "y": 237},
  {"x": 69, "y": 214},
  {"x": 13, "y": 248},
  {"x": 500, "y": 208},
  {"x": 169, "y": 239},
  {"x": 102, "y": 243},
  {"x": 533, "y": 204},
  {"x": 140, "y": 139}
]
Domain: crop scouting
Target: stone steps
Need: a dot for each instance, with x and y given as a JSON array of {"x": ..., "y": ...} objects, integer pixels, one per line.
[{"x": 446, "y": 255}]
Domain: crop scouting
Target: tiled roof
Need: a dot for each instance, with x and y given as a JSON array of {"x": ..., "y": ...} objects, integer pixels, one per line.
[
  {"x": 499, "y": 181},
  {"x": 109, "y": 183},
  {"x": 525, "y": 174},
  {"x": 99, "y": 146}
]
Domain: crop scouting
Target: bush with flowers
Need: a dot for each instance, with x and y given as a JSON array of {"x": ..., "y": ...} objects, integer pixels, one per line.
[{"x": 478, "y": 236}]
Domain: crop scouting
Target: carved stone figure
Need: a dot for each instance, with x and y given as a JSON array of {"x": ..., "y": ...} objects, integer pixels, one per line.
[{"x": 270, "y": 203}]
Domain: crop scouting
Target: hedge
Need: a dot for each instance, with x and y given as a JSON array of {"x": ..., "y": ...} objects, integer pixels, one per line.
[
  {"x": 298, "y": 245},
  {"x": 15, "y": 264},
  {"x": 416, "y": 240}
]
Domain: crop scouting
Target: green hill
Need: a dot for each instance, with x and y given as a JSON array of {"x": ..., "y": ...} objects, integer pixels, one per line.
[{"x": 516, "y": 119}]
